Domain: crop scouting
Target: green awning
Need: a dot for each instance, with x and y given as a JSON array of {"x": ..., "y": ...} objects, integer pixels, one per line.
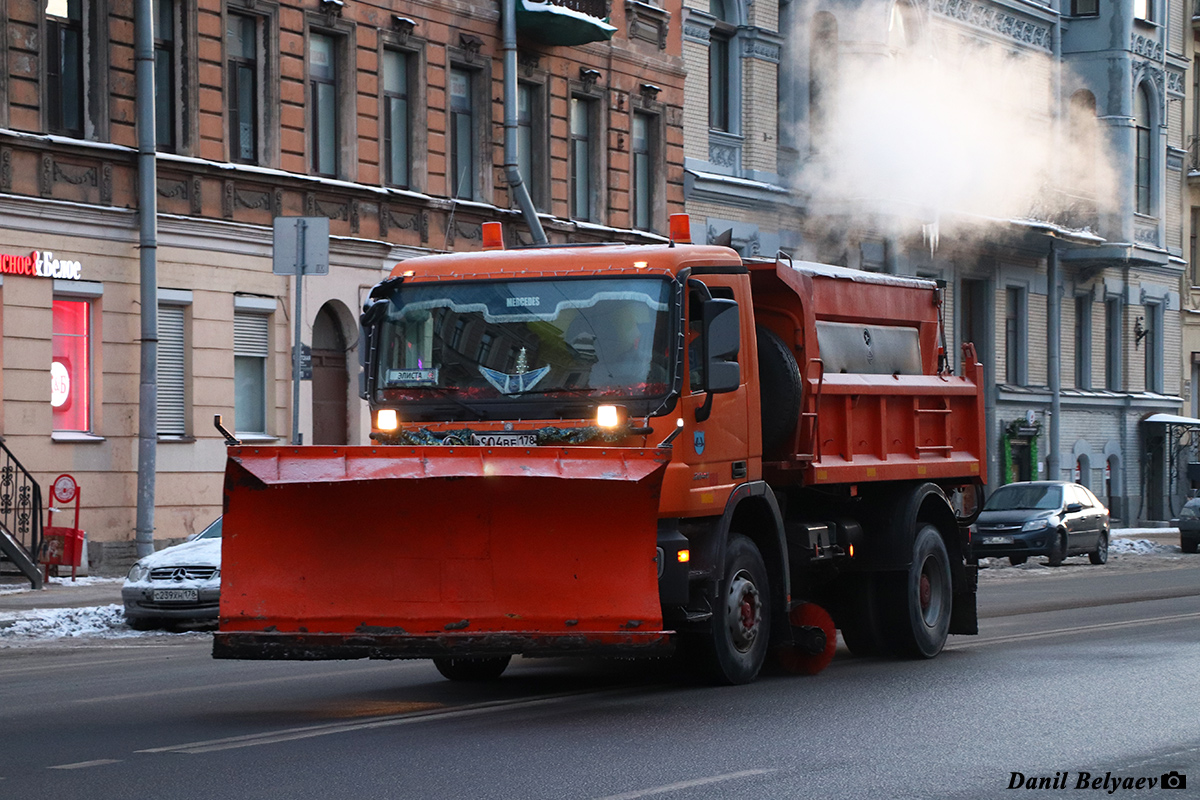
[{"x": 551, "y": 24}]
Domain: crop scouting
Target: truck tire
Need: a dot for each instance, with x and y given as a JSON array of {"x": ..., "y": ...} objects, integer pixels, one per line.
[
  {"x": 737, "y": 641},
  {"x": 918, "y": 601},
  {"x": 779, "y": 391},
  {"x": 472, "y": 670}
]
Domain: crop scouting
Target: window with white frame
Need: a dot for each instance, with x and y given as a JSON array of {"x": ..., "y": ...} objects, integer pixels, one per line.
[
  {"x": 242, "y": 52},
  {"x": 1144, "y": 153},
  {"x": 641, "y": 183},
  {"x": 251, "y": 350},
  {"x": 721, "y": 67},
  {"x": 166, "y": 84},
  {"x": 1153, "y": 347},
  {"x": 323, "y": 95},
  {"x": 532, "y": 157},
  {"x": 172, "y": 374},
  {"x": 1143, "y": 10},
  {"x": 65, "y": 67},
  {"x": 1083, "y": 341},
  {"x": 71, "y": 364},
  {"x": 1113, "y": 310},
  {"x": 462, "y": 134},
  {"x": 581, "y": 155},
  {"x": 397, "y": 125}
]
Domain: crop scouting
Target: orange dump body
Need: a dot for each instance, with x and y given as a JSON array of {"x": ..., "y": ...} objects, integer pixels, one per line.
[{"x": 430, "y": 551}]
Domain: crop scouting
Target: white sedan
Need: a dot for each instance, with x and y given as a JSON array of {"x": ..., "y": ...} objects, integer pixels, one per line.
[{"x": 176, "y": 584}]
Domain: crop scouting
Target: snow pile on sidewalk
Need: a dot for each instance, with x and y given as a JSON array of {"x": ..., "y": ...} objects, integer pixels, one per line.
[
  {"x": 58, "y": 623},
  {"x": 65, "y": 581},
  {"x": 1141, "y": 547}
]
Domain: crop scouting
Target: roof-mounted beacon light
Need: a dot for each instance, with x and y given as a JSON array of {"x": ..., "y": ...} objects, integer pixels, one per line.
[
  {"x": 681, "y": 229},
  {"x": 493, "y": 236}
]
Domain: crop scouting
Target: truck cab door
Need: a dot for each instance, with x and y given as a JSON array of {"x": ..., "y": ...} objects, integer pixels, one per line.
[{"x": 716, "y": 432}]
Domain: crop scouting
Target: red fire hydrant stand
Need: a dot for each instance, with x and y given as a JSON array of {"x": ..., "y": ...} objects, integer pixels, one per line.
[{"x": 62, "y": 546}]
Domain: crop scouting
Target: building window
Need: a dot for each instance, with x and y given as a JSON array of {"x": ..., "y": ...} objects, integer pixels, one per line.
[
  {"x": 396, "y": 127},
  {"x": 531, "y": 141},
  {"x": 485, "y": 348},
  {"x": 1143, "y": 10},
  {"x": 172, "y": 371},
  {"x": 1141, "y": 122},
  {"x": 1152, "y": 344},
  {"x": 165, "y": 86},
  {"x": 642, "y": 182},
  {"x": 462, "y": 135},
  {"x": 1083, "y": 342},
  {"x": 64, "y": 67},
  {"x": 1193, "y": 251},
  {"x": 1112, "y": 344},
  {"x": 1014, "y": 345},
  {"x": 322, "y": 75},
  {"x": 720, "y": 68},
  {"x": 251, "y": 347},
  {"x": 71, "y": 368},
  {"x": 242, "y": 47},
  {"x": 581, "y": 158},
  {"x": 1085, "y": 8}
]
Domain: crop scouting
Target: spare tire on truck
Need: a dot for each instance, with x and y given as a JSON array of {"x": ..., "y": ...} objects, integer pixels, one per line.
[{"x": 779, "y": 392}]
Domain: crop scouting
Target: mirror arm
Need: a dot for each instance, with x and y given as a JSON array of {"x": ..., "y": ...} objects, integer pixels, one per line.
[{"x": 703, "y": 411}]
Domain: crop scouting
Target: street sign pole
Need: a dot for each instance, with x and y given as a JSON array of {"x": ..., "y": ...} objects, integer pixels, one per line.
[{"x": 301, "y": 227}]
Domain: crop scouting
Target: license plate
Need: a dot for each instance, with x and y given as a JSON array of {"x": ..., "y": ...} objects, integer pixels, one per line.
[
  {"x": 504, "y": 439},
  {"x": 997, "y": 540},
  {"x": 176, "y": 595}
]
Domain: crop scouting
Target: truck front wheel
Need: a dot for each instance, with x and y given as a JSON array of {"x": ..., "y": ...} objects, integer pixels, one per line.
[
  {"x": 472, "y": 669},
  {"x": 921, "y": 598},
  {"x": 737, "y": 641}
]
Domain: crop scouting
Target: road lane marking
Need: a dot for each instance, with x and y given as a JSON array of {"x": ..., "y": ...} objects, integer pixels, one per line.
[
  {"x": 674, "y": 787},
  {"x": 310, "y": 731},
  {"x": 1018, "y": 637},
  {"x": 84, "y": 764}
]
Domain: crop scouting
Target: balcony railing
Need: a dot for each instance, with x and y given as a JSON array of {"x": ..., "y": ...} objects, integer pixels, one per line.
[
  {"x": 593, "y": 8},
  {"x": 1073, "y": 210}
]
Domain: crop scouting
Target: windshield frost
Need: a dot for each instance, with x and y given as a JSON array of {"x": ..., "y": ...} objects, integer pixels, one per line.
[{"x": 492, "y": 340}]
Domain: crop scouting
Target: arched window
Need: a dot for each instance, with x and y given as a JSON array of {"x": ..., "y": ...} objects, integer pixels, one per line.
[
  {"x": 1141, "y": 123},
  {"x": 822, "y": 78},
  {"x": 721, "y": 67}
]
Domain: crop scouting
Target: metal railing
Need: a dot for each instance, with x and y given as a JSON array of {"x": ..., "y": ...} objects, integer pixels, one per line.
[
  {"x": 20, "y": 507},
  {"x": 1073, "y": 210}
]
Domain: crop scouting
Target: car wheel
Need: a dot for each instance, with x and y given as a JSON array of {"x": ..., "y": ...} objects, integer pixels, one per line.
[
  {"x": 736, "y": 643},
  {"x": 1017, "y": 561},
  {"x": 1100, "y": 554},
  {"x": 472, "y": 670},
  {"x": 143, "y": 623},
  {"x": 917, "y": 603},
  {"x": 1059, "y": 551}
]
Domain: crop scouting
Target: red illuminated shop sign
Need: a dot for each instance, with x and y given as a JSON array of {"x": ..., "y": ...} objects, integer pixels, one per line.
[{"x": 40, "y": 265}]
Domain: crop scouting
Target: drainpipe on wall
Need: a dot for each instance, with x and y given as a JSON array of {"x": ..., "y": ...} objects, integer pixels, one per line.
[
  {"x": 512, "y": 173},
  {"x": 148, "y": 250},
  {"x": 1054, "y": 362}
]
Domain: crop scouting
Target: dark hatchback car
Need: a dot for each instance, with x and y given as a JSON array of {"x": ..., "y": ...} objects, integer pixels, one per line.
[
  {"x": 1042, "y": 518},
  {"x": 1189, "y": 526}
]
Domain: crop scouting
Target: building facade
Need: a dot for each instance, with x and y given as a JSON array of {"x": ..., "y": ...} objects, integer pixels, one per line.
[
  {"x": 1029, "y": 155},
  {"x": 385, "y": 118}
]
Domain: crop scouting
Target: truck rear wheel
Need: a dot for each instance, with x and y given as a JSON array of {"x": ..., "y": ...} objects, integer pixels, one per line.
[
  {"x": 919, "y": 601},
  {"x": 472, "y": 669},
  {"x": 737, "y": 641},
  {"x": 858, "y": 616}
]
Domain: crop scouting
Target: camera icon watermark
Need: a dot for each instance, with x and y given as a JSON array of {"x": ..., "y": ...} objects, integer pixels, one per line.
[{"x": 1173, "y": 780}]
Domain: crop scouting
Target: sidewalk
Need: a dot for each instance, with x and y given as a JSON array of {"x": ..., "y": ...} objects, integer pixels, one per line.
[{"x": 16, "y": 596}]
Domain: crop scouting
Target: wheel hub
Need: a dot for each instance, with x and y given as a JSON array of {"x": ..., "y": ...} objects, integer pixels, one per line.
[{"x": 743, "y": 611}]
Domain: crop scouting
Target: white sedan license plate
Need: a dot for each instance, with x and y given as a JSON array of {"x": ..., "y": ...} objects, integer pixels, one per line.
[
  {"x": 176, "y": 595},
  {"x": 997, "y": 540},
  {"x": 504, "y": 439}
]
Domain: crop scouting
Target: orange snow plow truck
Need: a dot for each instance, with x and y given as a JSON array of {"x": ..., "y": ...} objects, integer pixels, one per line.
[{"x": 628, "y": 450}]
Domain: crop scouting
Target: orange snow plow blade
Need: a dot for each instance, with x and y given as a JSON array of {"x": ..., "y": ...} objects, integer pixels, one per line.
[{"x": 395, "y": 552}]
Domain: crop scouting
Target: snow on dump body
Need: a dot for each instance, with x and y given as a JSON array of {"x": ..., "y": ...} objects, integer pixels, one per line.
[{"x": 860, "y": 276}]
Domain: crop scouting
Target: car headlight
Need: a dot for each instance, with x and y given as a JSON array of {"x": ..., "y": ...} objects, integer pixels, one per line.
[
  {"x": 137, "y": 573},
  {"x": 1035, "y": 525}
]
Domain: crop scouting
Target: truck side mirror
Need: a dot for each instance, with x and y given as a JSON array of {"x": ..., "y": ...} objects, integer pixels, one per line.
[{"x": 722, "y": 341}]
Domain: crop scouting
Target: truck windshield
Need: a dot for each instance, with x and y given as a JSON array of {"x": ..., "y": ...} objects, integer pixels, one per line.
[{"x": 602, "y": 338}]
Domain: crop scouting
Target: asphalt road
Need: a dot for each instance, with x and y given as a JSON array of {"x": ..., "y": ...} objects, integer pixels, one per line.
[{"x": 1104, "y": 682}]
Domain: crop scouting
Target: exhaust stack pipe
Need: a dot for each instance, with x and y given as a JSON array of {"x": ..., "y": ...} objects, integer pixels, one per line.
[{"x": 512, "y": 173}]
